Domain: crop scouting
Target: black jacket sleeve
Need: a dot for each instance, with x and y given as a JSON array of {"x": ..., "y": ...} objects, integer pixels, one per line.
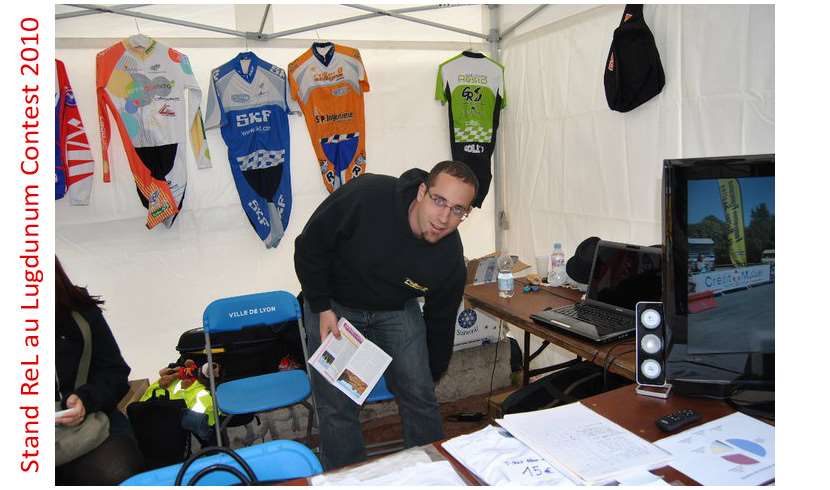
[
  {"x": 108, "y": 372},
  {"x": 315, "y": 249},
  {"x": 440, "y": 308}
]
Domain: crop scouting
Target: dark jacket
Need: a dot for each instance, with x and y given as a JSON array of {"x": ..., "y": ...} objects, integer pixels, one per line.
[
  {"x": 358, "y": 249},
  {"x": 108, "y": 372}
]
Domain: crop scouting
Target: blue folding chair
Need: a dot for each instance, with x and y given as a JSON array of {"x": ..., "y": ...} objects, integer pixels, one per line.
[
  {"x": 272, "y": 460},
  {"x": 265, "y": 392}
]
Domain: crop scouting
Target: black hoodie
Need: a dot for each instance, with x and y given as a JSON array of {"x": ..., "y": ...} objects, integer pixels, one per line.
[{"x": 358, "y": 249}]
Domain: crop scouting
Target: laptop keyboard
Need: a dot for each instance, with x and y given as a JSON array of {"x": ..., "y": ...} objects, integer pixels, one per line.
[{"x": 606, "y": 321}]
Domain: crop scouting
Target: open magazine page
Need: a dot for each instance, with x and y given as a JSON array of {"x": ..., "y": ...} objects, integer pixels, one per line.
[
  {"x": 333, "y": 355},
  {"x": 352, "y": 364}
]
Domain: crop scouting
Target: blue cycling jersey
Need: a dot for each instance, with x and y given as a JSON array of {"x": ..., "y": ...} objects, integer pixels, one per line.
[{"x": 249, "y": 101}]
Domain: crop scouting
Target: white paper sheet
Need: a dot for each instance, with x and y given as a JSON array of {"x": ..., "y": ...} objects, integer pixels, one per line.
[
  {"x": 582, "y": 444},
  {"x": 498, "y": 458},
  {"x": 437, "y": 473},
  {"x": 375, "y": 469},
  {"x": 732, "y": 450}
]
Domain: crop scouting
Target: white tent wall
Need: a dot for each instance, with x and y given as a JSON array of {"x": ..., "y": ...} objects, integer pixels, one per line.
[
  {"x": 157, "y": 282},
  {"x": 573, "y": 168}
]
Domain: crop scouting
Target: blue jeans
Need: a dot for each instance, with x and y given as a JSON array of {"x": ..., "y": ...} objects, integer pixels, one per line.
[{"x": 402, "y": 335}]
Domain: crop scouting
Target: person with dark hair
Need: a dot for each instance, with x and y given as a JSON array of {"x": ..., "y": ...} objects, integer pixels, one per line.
[
  {"x": 367, "y": 253},
  {"x": 118, "y": 457}
]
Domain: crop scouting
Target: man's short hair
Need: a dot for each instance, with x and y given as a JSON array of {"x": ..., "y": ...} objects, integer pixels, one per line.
[{"x": 456, "y": 169}]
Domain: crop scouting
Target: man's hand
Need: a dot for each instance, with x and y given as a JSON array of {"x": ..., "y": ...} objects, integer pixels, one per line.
[
  {"x": 75, "y": 412},
  {"x": 328, "y": 323}
]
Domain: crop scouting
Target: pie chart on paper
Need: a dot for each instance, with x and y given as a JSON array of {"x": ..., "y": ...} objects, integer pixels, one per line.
[
  {"x": 728, "y": 453},
  {"x": 748, "y": 446}
]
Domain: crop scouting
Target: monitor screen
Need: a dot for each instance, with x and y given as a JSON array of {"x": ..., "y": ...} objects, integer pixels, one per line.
[
  {"x": 730, "y": 229},
  {"x": 719, "y": 269},
  {"x": 624, "y": 274}
]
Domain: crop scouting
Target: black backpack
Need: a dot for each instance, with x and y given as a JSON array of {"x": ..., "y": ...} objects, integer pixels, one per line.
[
  {"x": 633, "y": 71},
  {"x": 157, "y": 424}
]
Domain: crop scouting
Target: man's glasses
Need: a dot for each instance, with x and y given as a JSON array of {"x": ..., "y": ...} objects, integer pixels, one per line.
[{"x": 459, "y": 211}]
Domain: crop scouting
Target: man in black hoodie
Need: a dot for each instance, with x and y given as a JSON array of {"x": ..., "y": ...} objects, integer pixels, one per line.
[{"x": 367, "y": 253}]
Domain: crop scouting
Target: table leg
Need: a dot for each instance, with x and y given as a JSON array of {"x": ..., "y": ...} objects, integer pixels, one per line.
[{"x": 526, "y": 360}]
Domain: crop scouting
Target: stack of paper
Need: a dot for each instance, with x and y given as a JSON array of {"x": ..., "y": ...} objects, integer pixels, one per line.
[
  {"x": 585, "y": 446},
  {"x": 497, "y": 458},
  {"x": 732, "y": 450}
]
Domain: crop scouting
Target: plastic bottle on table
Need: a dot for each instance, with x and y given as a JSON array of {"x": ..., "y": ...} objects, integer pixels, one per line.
[
  {"x": 556, "y": 270},
  {"x": 505, "y": 265}
]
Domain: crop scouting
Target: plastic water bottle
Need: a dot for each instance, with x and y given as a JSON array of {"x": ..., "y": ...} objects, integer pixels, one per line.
[
  {"x": 556, "y": 271},
  {"x": 505, "y": 265}
]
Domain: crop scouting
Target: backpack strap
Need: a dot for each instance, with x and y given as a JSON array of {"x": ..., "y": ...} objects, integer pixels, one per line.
[
  {"x": 632, "y": 11},
  {"x": 86, "y": 354}
]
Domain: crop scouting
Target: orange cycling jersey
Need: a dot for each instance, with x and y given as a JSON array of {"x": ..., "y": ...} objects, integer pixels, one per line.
[{"x": 328, "y": 82}]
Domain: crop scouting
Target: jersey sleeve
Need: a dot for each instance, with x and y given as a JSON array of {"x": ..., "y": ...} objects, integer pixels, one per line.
[
  {"x": 103, "y": 67},
  {"x": 364, "y": 79},
  {"x": 503, "y": 90},
  {"x": 198, "y": 141},
  {"x": 77, "y": 161},
  {"x": 440, "y": 94},
  {"x": 292, "y": 106},
  {"x": 214, "y": 116}
]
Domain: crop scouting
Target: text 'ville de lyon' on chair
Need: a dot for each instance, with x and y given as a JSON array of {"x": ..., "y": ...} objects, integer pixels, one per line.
[
  {"x": 265, "y": 392},
  {"x": 269, "y": 461}
]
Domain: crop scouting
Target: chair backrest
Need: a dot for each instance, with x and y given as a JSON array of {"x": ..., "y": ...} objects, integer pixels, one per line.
[
  {"x": 272, "y": 460},
  {"x": 238, "y": 312}
]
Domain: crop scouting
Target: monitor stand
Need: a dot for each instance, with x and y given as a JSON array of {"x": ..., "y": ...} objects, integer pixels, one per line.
[{"x": 654, "y": 391}]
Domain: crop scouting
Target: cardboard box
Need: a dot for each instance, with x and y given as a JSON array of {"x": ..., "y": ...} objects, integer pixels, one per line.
[
  {"x": 474, "y": 327},
  {"x": 479, "y": 268}
]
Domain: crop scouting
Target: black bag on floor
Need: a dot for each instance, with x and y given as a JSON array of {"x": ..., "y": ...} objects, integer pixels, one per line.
[
  {"x": 562, "y": 387},
  {"x": 157, "y": 424},
  {"x": 250, "y": 352}
]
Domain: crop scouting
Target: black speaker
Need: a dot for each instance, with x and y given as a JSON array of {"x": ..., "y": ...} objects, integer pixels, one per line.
[{"x": 651, "y": 344}]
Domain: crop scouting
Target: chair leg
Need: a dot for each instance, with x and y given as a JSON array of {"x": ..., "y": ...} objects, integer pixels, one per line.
[
  {"x": 223, "y": 428},
  {"x": 310, "y": 421}
]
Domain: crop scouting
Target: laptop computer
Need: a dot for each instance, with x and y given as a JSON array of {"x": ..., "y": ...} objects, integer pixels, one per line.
[{"x": 621, "y": 276}]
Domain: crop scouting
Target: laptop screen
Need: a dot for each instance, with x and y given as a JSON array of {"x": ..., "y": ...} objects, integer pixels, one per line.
[{"x": 623, "y": 275}]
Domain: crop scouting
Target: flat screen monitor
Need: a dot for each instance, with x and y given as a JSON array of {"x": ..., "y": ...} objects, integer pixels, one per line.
[{"x": 719, "y": 273}]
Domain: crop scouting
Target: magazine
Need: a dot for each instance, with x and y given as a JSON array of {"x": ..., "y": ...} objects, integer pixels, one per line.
[{"x": 353, "y": 364}]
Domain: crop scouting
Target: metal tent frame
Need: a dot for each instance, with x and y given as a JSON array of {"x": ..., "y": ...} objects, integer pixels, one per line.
[{"x": 492, "y": 39}]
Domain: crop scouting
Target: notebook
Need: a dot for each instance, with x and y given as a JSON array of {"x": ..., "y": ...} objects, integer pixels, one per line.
[{"x": 621, "y": 275}]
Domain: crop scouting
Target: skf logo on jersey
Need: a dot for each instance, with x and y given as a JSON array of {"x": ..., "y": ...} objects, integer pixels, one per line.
[
  {"x": 329, "y": 76},
  {"x": 414, "y": 285},
  {"x": 260, "y": 215},
  {"x": 474, "y": 148},
  {"x": 253, "y": 117},
  {"x": 167, "y": 111},
  {"x": 240, "y": 98},
  {"x": 155, "y": 67}
]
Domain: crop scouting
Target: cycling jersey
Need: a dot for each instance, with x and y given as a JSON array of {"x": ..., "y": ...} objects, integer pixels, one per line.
[
  {"x": 248, "y": 98},
  {"x": 142, "y": 83},
  {"x": 473, "y": 84},
  {"x": 328, "y": 82},
  {"x": 73, "y": 160}
]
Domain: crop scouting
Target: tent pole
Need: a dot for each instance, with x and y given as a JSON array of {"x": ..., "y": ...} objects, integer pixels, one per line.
[
  {"x": 82, "y": 13},
  {"x": 159, "y": 18},
  {"x": 264, "y": 18},
  {"x": 356, "y": 18},
  {"x": 417, "y": 20},
  {"x": 500, "y": 215},
  {"x": 521, "y": 21}
]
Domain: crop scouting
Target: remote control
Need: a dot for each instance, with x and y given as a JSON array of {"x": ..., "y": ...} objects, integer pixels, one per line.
[{"x": 677, "y": 420}]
